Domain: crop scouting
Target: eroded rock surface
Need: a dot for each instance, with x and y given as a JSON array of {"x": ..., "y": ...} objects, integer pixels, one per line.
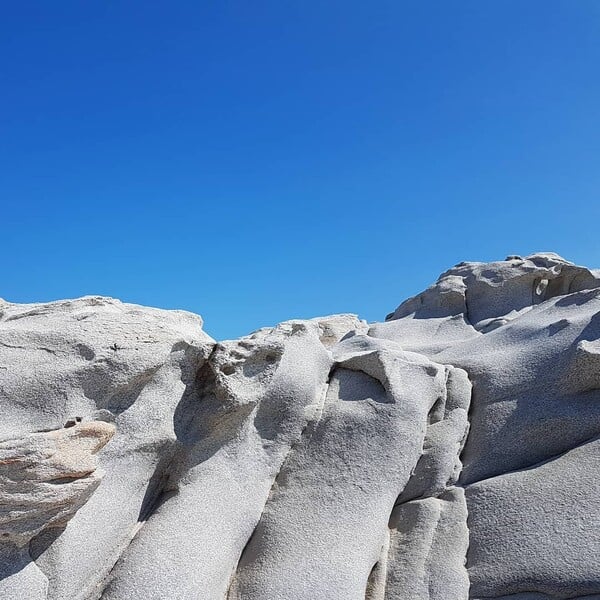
[
  {"x": 450, "y": 452},
  {"x": 100, "y": 360},
  {"x": 46, "y": 477}
]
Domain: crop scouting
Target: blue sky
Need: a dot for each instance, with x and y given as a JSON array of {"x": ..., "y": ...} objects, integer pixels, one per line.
[{"x": 259, "y": 161}]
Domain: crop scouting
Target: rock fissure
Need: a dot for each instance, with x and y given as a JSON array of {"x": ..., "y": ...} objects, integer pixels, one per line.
[
  {"x": 376, "y": 584},
  {"x": 305, "y": 433}
]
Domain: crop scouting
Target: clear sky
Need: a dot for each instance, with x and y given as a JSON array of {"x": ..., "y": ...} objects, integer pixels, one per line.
[{"x": 259, "y": 161}]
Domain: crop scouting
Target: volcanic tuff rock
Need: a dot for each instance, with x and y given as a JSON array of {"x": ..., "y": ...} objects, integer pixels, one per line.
[{"x": 450, "y": 452}]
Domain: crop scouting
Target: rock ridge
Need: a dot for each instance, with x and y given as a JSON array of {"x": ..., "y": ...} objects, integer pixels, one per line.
[{"x": 449, "y": 452}]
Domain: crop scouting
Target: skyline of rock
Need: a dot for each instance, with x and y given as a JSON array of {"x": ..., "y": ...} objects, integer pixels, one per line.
[{"x": 448, "y": 452}]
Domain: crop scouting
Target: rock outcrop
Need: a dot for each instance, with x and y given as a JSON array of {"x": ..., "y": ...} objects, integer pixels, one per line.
[
  {"x": 45, "y": 478},
  {"x": 450, "y": 452}
]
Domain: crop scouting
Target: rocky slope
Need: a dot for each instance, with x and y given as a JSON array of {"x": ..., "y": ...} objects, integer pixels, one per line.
[{"x": 450, "y": 452}]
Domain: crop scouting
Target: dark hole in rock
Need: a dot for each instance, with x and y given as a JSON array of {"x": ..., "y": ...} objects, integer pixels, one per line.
[{"x": 228, "y": 369}]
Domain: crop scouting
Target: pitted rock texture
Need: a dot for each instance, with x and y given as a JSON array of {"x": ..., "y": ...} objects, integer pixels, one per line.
[{"x": 450, "y": 452}]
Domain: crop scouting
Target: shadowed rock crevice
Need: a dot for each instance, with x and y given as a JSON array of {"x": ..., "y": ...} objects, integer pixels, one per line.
[
  {"x": 377, "y": 581},
  {"x": 349, "y": 471},
  {"x": 279, "y": 480},
  {"x": 255, "y": 397}
]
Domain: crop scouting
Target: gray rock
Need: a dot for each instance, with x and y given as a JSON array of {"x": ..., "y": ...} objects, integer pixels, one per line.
[
  {"x": 332, "y": 499},
  {"x": 537, "y": 529},
  {"x": 487, "y": 292},
  {"x": 255, "y": 397},
  {"x": 448, "y": 453},
  {"x": 98, "y": 359},
  {"x": 46, "y": 477},
  {"x": 427, "y": 549},
  {"x": 533, "y": 359}
]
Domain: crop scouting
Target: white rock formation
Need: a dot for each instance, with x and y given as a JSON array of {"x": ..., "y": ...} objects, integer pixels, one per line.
[
  {"x": 44, "y": 479},
  {"x": 450, "y": 452},
  {"x": 100, "y": 360}
]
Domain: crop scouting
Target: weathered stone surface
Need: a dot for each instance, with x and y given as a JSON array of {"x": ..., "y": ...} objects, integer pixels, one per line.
[
  {"x": 428, "y": 544},
  {"x": 450, "y": 452},
  {"x": 254, "y": 399},
  {"x": 330, "y": 506},
  {"x": 532, "y": 357},
  {"x": 490, "y": 294},
  {"x": 101, "y": 360},
  {"x": 46, "y": 477},
  {"x": 537, "y": 528}
]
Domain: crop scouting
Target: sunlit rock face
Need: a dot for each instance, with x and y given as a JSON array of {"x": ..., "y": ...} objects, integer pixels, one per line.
[
  {"x": 96, "y": 364},
  {"x": 449, "y": 452},
  {"x": 46, "y": 477}
]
